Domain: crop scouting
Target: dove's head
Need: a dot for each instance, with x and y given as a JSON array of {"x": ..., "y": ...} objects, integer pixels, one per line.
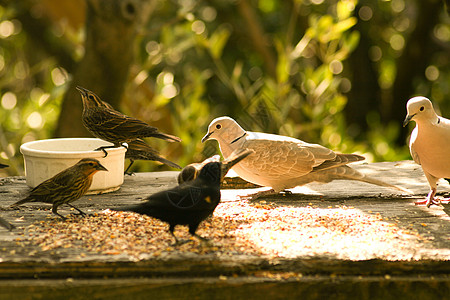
[
  {"x": 225, "y": 130},
  {"x": 419, "y": 109}
]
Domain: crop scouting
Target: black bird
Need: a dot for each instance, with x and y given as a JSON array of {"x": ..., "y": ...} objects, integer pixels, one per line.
[
  {"x": 139, "y": 150},
  {"x": 6, "y": 224},
  {"x": 187, "y": 204},
  {"x": 106, "y": 123}
]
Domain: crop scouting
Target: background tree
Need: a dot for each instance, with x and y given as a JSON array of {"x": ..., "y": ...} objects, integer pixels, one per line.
[{"x": 332, "y": 72}]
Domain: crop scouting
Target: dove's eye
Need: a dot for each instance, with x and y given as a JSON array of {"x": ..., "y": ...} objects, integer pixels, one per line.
[
  {"x": 421, "y": 108},
  {"x": 218, "y": 126}
]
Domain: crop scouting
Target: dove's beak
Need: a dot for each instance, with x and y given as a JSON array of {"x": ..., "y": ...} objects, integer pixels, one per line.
[
  {"x": 407, "y": 119},
  {"x": 206, "y": 137}
]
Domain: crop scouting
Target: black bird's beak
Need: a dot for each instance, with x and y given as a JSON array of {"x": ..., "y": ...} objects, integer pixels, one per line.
[
  {"x": 407, "y": 119},
  {"x": 100, "y": 167},
  {"x": 206, "y": 137},
  {"x": 234, "y": 158},
  {"x": 82, "y": 91}
]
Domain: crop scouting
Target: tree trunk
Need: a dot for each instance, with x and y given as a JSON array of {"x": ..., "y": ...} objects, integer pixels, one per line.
[
  {"x": 364, "y": 96},
  {"x": 111, "y": 30}
]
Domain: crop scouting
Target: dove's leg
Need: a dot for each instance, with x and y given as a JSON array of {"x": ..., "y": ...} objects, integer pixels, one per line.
[
  {"x": 259, "y": 194},
  {"x": 429, "y": 200}
]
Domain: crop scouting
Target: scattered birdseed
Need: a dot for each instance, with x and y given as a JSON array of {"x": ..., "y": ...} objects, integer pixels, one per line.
[{"x": 237, "y": 227}]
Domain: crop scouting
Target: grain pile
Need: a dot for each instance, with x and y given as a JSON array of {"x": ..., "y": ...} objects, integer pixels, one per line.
[{"x": 237, "y": 227}]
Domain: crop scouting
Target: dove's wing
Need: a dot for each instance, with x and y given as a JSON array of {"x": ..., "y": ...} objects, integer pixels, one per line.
[
  {"x": 284, "y": 158},
  {"x": 414, "y": 154}
]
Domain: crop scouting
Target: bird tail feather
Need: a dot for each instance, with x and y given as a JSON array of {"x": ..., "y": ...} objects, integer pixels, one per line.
[
  {"x": 168, "y": 162},
  {"x": 165, "y": 136},
  {"x": 345, "y": 173},
  {"x": 350, "y": 173},
  {"x": 6, "y": 224},
  {"x": 20, "y": 202}
]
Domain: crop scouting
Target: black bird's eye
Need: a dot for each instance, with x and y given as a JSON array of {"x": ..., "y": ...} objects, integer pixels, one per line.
[
  {"x": 218, "y": 126},
  {"x": 421, "y": 108},
  {"x": 91, "y": 164},
  {"x": 91, "y": 97}
]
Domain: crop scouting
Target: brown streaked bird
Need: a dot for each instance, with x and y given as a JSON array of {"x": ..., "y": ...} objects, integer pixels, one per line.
[
  {"x": 65, "y": 187},
  {"x": 139, "y": 150},
  {"x": 106, "y": 123},
  {"x": 191, "y": 171}
]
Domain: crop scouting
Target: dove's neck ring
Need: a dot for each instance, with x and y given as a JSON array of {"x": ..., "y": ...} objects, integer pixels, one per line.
[
  {"x": 238, "y": 138},
  {"x": 231, "y": 140},
  {"x": 431, "y": 120}
]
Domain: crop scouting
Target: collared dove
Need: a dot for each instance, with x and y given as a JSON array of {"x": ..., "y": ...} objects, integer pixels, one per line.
[
  {"x": 282, "y": 162},
  {"x": 429, "y": 144}
]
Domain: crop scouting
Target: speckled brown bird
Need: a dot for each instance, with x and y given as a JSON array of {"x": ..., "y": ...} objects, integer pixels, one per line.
[
  {"x": 66, "y": 186},
  {"x": 106, "y": 123},
  {"x": 186, "y": 204},
  {"x": 140, "y": 150}
]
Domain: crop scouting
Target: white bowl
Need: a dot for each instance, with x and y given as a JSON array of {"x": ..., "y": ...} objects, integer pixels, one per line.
[{"x": 45, "y": 158}]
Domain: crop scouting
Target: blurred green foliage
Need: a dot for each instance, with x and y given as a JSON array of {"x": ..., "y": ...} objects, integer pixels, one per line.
[{"x": 275, "y": 66}]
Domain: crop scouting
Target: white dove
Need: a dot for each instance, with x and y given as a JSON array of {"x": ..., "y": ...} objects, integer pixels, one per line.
[
  {"x": 429, "y": 144},
  {"x": 282, "y": 162}
]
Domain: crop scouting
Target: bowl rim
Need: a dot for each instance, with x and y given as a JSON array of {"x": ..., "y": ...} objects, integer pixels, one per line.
[{"x": 26, "y": 149}]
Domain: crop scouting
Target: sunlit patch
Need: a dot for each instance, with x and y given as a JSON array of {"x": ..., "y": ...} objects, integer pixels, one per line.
[
  {"x": 237, "y": 227},
  {"x": 198, "y": 27},
  {"x": 35, "y": 120},
  {"x": 58, "y": 76},
  {"x": 6, "y": 29},
  {"x": 169, "y": 91},
  {"x": 9, "y": 101}
]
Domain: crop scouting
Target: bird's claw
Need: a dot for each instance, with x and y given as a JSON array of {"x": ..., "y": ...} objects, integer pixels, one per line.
[
  {"x": 180, "y": 242},
  {"x": 428, "y": 202}
]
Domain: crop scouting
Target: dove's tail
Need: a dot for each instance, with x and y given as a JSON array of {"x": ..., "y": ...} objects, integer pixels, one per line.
[
  {"x": 6, "y": 224},
  {"x": 345, "y": 172}
]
